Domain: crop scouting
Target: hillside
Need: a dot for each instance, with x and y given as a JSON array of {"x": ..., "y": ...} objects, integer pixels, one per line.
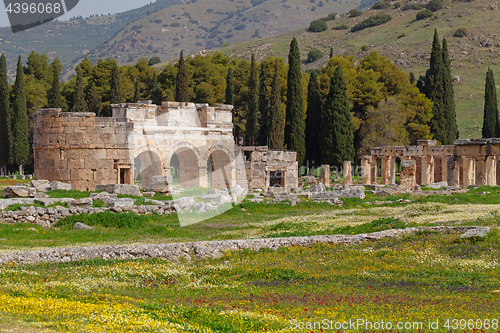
[
  {"x": 70, "y": 40},
  {"x": 207, "y": 24},
  {"x": 407, "y": 42}
]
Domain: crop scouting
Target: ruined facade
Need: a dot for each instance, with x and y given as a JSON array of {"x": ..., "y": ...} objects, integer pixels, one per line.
[{"x": 466, "y": 162}]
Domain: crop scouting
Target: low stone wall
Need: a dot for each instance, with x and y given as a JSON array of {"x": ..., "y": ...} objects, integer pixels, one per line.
[{"x": 177, "y": 251}]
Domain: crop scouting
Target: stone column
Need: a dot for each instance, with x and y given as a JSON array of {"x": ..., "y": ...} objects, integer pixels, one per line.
[
  {"x": 453, "y": 171},
  {"x": 373, "y": 170},
  {"x": 491, "y": 171},
  {"x": 468, "y": 171},
  {"x": 424, "y": 180},
  {"x": 392, "y": 171},
  {"x": 444, "y": 169},
  {"x": 366, "y": 170},
  {"x": 407, "y": 174},
  {"x": 202, "y": 179},
  {"x": 325, "y": 175},
  {"x": 386, "y": 164},
  {"x": 430, "y": 169},
  {"x": 347, "y": 173},
  {"x": 481, "y": 170}
]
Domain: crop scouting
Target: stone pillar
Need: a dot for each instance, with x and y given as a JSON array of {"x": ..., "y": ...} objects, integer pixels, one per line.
[
  {"x": 392, "y": 171},
  {"x": 202, "y": 179},
  {"x": 444, "y": 169},
  {"x": 366, "y": 170},
  {"x": 373, "y": 170},
  {"x": 480, "y": 170},
  {"x": 325, "y": 175},
  {"x": 453, "y": 171},
  {"x": 424, "y": 180},
  {"x": 347, "y": 173},
  {"x": 468, "y": 171},
  {"x": 386, "y": 164},
  {"x": 407, "y": 174},
  {"x": 491, "y": 171}
]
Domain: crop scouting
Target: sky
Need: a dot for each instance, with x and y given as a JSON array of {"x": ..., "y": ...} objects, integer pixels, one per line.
[{"x": 88, "y": 7}]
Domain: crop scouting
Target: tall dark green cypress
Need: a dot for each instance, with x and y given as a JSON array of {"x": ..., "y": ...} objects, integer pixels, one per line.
[
  {"x": 252, "y": 125},
  {"x": 137, "y": 91},
  {"x": 94, "y": 101},
  {"x": 54, "y": 98},
  {"x": 490, "y": 118},
  {"x": 229, "y": 87},
  {"x": 331, "y": 52},
  {"x": 5, "y": 118},
  {"x": 313, "y": 120},
  {"x": 295, "y": 119},
  {"x": 449, "y": 97},
  {"x": 434, "y": 90},
  {"x": 337, "y": 128},
  {"x": 79, "y": 103},
  {"x": 115, "y": 93},
  {"x": 20, "y": 143},
  {"x": 263, "y": 106},
  {"x": 156, "y": 92},
  {"x": 277, "y": 121},
  {"x": 182, "y": 82}
]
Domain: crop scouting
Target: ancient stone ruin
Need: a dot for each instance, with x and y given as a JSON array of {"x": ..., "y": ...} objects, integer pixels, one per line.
[{"x": 467, "y": 162}]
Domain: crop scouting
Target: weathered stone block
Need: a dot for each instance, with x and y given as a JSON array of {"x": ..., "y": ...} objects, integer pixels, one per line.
[
  {"x": 407, "y": 174},
  {"x": 19, "y": 192},
  {"x": 63, "y": 174},
  {"x": 57, "y": 185},
  {"x": 41, "y": 185}
]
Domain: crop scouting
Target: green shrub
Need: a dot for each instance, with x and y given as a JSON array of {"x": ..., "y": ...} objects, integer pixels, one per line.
[
  {"x": 354, "y": 13},
  {"x": 314, "y": 55},
  {"x": 240, "y": 27},
  {"x": 318, "y": 26},
  {"x": 364, "y": 48},
  {"x": 373, "y": 226},
  {"x": 341, "y": 27},
  {"x": 397, "y": 5},
  {"x": 424, "y": 14},
  {"x": 175, "y": 24},
  {"x": 158, "y": 21},
  {"x": 461, "y": 32},
  {"x": 372, "y": 21},
  {"x": 413, "y": 6},
  {"x": 434, "y": 5},
  {"x": 381, "y": 5},
  {"x": 329, "y": 17},
  {"x": 107, "y": 220},
  {"x": 402, "y": 35},
  {"x": 153, "y": 61}
]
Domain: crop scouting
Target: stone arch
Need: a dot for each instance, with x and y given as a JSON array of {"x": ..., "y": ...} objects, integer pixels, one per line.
[
  {"x": 220, "y": 160},
  {"x": 192, "y": 171},
  {"x": 146, "y": 165}
]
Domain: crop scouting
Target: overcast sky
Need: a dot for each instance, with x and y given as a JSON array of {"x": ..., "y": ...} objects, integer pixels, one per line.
[{"x": 88, "y": 7}]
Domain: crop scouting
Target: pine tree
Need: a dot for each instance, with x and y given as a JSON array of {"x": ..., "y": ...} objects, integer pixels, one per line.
[
  {"x": 263, "y": 106},
  {"x": 277, "y": 121},
  {"x": 137, "y": 92},
  {"x": 5, "y": 118},
  {"x": 295, "y": 121},
  {"x": 20, "y": 143},
  {"x": 449, "y": 97},
  {"x": 229, "y": 87},
  {"x": 79, "y": 104},
  {"x": 252, "y": 125},
  {"x": 156, "y": 91},
  {"x": 490, "y": 118},
  {"x": 337, "y": 128},
  {"x": 94, "y": 101},
  {"x": 313, "y": 119},
  {"x": 115, "y": 93},
  {"x": 54, "y": 98},
  {"x": 182, "y": 82}
]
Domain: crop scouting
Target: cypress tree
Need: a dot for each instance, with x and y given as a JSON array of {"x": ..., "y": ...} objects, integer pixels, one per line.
[
  {"x": 313, "y": 119},
  {"x": 94, "y": 101},
  {"x": 337, "y": 128},
  {"x": 79, "y": 104},
  {"x": 490, "y": 118},
  {"x": 229, "y": 87},
  {"x": 5, "y": 118},
  {"x": 434, "y": 90},
  {"x": 277, "y": 121},
  {"x": 331, "y": 52},
  {"x": 252, "y": 125},
  {"x": 295, "y": 120},
  {"x": 115, "y": 93},
  {"x": 156, "y": 92},
  {"x": 54, "y": 94},
  {"x": 20, "y": 143},
  {"x": 263, "y": 106},
  {"x": 181, "y": 84},
  {"x": 449, "y": 97},
  {"x": 137, "y": 92}
]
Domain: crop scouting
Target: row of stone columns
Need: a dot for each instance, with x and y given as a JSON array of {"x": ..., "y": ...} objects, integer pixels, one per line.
[{"x": 481, "y": 170}]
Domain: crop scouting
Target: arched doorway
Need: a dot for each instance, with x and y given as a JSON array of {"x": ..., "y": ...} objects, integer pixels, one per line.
[
  {"x": 147, "y": 164},
  {"x": 185, "y": 165},
  {"x": 219, "y": 168}
]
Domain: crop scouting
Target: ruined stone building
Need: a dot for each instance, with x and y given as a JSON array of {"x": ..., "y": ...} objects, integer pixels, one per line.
[
  {"x": 466, "y": 162},
  {"x": 193, "y": 142}
]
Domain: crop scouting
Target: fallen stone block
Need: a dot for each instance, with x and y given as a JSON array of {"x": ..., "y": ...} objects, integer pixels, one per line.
[
  {"x": 120, "y": 203},
  {"x": 125, "y": 189},
  {"x": 319, "y": 188},
  {"x": 41, "y": 185},
  {"x": 84, "y": 202},
  {"x": 60, "y": 186},
  {"x": 82, "y": 226},
  {"x": 438, "y": 185},
  {"x": 104, "y": 196},
  {"x": 19, "y": 192},
  {"x": 343, "y": 192},
  {"x": 480, "y": 232}
]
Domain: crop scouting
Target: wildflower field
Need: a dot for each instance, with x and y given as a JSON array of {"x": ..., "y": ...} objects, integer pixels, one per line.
[{"x": 426, "y": 282}]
